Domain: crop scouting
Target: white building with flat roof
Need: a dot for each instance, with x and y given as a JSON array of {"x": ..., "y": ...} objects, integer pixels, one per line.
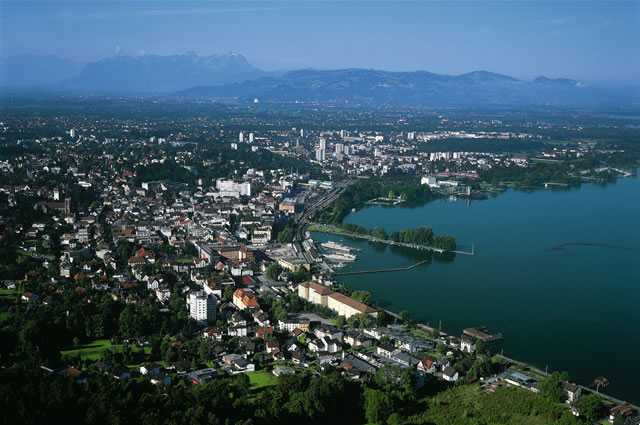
[
  {"x": 202, "y": 307},
  {"x": 244, "y": 189}
]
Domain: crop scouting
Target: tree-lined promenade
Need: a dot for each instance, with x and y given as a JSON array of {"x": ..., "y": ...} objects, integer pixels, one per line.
[{"x": 420, "y": 238}]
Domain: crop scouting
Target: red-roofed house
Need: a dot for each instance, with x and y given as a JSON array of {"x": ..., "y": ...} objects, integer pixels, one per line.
[{"x": 243, "y": 299}]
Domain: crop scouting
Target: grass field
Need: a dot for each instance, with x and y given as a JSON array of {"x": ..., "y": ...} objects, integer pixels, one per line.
[
  {"x": 93, "y": 351},
  {"x": 9, "y": 293},
  {"x": 261, "y": 379}
]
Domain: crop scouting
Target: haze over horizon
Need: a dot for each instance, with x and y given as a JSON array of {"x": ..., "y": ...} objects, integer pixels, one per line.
[{"x": 594, "y": 42}]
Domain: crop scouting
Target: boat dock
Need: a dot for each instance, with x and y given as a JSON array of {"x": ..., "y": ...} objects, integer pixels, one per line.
[
  {"x": 395, "y": 269},
  {"x": 482, "y": 333}
]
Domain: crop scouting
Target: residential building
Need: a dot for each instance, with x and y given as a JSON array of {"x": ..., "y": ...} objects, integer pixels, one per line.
[
  {"x": 202, "y": 307},
  {"x": 244, "y": 299}
]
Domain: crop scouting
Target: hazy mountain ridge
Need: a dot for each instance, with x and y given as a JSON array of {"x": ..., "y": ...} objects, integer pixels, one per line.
[
  {"x": 32, "y": 71},
  {"x": 420, "y": 87},
  {"x": 154, "y": 73},
  {"x": 232, "y": 76}
]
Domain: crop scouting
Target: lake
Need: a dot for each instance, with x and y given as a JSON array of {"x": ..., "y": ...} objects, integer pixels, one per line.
[{"x": 556, "y": 271}]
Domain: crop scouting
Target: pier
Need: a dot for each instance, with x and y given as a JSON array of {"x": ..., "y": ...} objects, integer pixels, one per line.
[
  {"x": 396, "y": 269},
  {"x": 385, "y": 201},
  {"x": 330, "y": 229},
  {"x": 482, "y": 333}
]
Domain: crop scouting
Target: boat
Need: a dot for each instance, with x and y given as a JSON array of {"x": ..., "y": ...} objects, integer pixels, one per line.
[
  {"x": 341, "y": 257},
  {"x": 335, "y": 246}
]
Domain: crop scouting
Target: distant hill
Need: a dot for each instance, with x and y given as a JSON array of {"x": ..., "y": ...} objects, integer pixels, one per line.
[
  {"x": 164, "y": 74},
  {"x": 382, "y": 87},
  {"x": 232, "y": 76},
  {"x": 36, "y": 71}
]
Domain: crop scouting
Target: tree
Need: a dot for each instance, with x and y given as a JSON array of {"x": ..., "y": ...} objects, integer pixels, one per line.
[
  {"x": 379, "y": 233},
  {"x": 273, "y": 271},
  {"x": 364, "y": 296},
  {"x": 551, "y": 387},
  {"x": 391, "y": 195},
  {"x": 242, "y": 383},
  {"x": 377, "y": 405},
  {"x": 395, "y": 419},
  {"x": 568, "y": 419},
  {"x": 228, "y": 291},
  {"x": 447, "y": 243},
  {"x": 404, "y": 316},
  {"x": 589, "y": 406},
  {"x": 383, "y": 318},
  {"x": 340, "y": 320},
  {"x": 286, "y": 235},
  {"x": 481, "y": 347}
]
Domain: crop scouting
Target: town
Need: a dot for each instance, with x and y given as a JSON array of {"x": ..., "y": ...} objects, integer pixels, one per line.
[{"x": 180, "y": 253}]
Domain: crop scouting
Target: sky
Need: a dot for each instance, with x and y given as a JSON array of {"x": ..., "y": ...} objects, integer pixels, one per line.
[{"x": 591, "y": 41}]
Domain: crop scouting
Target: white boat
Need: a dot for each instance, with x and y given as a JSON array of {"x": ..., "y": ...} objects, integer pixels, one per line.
[
  {"x": 335, "y": 246},
  {"x": 341, "y": 257}
]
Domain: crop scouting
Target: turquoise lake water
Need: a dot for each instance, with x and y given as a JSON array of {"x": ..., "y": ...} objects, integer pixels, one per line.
[{"x": 556, "y": 271}]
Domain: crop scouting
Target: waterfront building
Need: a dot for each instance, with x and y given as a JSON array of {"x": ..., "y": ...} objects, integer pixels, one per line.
[{"x": 343, "y": 305}]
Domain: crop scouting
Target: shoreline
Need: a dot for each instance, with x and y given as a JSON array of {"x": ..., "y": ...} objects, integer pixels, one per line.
[{"x": 616, "y": 398}]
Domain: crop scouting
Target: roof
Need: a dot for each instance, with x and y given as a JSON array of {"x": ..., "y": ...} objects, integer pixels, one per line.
[
  {"x": 319, "y": 289},
  {"x": 356, "y": 305},
  {"x": 449, "y": 371},
  {"x": 386, "y": 347}
]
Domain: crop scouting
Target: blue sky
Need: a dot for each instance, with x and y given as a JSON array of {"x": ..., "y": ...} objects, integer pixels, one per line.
[{"x": 586, "y": 40}]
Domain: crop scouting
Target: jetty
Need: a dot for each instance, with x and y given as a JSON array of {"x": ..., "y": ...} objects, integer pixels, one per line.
[
  {"x": 385, "y": 201},
  {"x": 395, "y": 269},
  {"x": 482, "y": 333},
  {"x": 330, "y": 229}
]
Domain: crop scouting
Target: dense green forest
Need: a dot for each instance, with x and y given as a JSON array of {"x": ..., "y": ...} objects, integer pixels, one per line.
[{"x": 32, "y": 396}]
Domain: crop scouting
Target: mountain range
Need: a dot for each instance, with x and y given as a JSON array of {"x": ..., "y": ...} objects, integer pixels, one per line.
[{"x": 232, "y": 76}]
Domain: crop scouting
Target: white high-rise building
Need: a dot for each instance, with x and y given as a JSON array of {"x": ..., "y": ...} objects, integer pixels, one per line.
[
  {"x": 320, "y": 154},
  {"x": 411, "y": 135},
  {"x": 241, "y": 137},
  {"x": 339, "y": 148},
  {"x": 202, "y": 308},
  {"x": 243, "y": 189},
  {"x": 234, "y": 146},
  {"x": 303, "y": 132},
  {"x": 72, "y": 133},
  {"x": 250, "y": 137},
  {"x": 323, "y": 143}
]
